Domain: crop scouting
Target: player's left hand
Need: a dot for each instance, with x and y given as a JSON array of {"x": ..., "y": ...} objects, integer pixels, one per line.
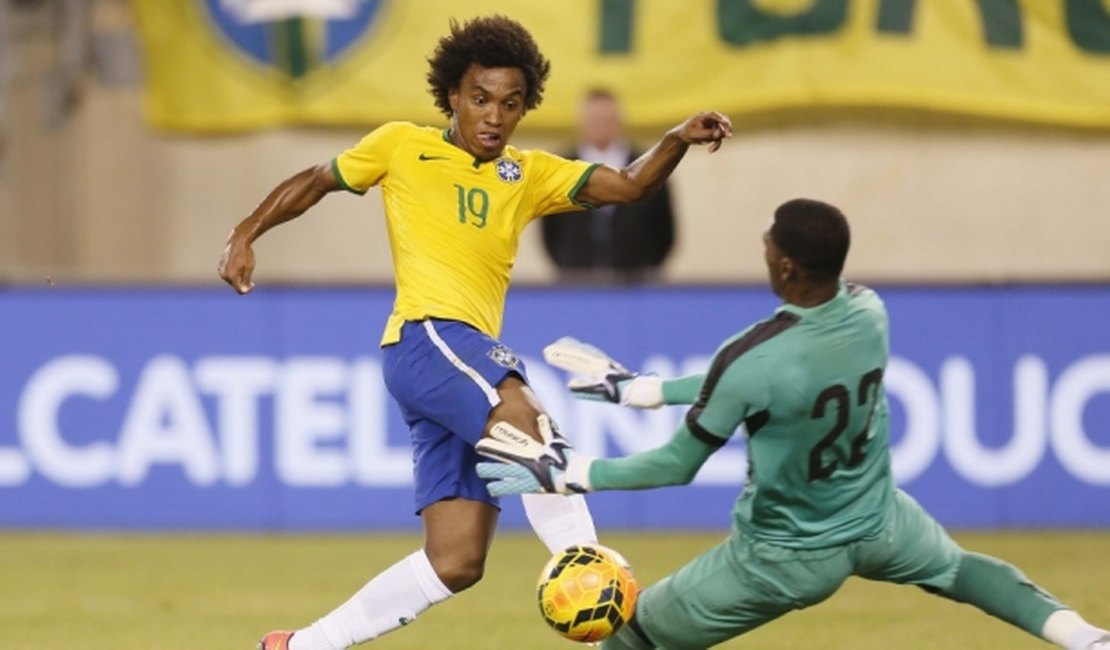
[
  {"x": 527, "y": 465},
  {"x": 709, "y": 127}
]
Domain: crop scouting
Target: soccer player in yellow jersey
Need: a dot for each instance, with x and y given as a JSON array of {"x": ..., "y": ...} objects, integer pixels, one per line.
[{"x": 456, "y": 202}]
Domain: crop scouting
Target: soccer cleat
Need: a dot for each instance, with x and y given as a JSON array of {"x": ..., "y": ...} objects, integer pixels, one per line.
[{"x": 276, "y": 640}]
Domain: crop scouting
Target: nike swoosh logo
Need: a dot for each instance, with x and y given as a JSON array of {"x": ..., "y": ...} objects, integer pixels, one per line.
[{"x": 425, "y": 156}]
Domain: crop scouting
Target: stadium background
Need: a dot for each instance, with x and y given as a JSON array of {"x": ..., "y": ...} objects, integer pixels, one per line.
[{"x": 967, "y": 142}]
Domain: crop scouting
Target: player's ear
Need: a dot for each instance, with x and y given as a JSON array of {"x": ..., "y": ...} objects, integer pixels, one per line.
[
  {"x": 453, "y": 99},
  {"x": 788, "y": 268}
]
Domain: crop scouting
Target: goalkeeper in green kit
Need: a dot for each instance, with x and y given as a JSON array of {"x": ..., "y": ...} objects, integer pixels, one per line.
[{"x": 820, "y": 503}]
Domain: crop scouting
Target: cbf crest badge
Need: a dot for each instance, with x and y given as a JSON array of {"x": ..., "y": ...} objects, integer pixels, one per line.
[
  {"x": 504, "y": 357},
  {"x": 293, "y": 36},
  {"x": 508, "y": 170}
]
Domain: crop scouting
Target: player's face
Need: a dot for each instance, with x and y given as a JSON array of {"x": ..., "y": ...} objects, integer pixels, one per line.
[
  {"x": 775, "y": 263},
  {"x": 488, "y": 104}
]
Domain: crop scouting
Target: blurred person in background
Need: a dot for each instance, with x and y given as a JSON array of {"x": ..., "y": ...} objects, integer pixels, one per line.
[
  {"x": 456, "y": 201},
  {"x": 611, "y": 243}
]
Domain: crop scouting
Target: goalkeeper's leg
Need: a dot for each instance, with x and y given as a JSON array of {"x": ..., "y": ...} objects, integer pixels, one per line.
[
  {"x": 559, "y": 521},
  {"x": 915, "y": 549},
  {"x": 728, "y": 590},
  {"x": 1000, "y": 589}
]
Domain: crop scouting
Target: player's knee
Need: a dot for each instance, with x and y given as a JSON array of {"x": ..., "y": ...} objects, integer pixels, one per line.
[
  {"x": 461, "y": 576},
  {"x": 458, "y": 570}
]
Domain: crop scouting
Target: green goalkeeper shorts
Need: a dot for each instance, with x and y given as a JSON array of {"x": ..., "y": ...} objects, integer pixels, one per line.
[{"x": 742, "y": 583}]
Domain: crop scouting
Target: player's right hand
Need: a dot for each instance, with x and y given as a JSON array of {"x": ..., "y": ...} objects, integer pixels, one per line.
[{"x": 237, "y": 264}]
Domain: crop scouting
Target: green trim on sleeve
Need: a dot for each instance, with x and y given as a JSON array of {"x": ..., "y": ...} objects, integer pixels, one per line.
[
  {"x": 683, "y": 390},
  {"x": 674, "y": 463},
  {"x": 339, "y": 177},
  {"x": 582, "y": 181}
]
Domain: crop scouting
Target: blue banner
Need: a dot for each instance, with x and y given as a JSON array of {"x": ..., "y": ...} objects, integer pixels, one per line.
[{"x": 199, "y": 409}]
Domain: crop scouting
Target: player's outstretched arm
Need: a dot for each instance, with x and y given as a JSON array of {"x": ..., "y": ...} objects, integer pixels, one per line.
[
  {"x": 647, "y": 173},
  {"x": 287, "y": 201}
]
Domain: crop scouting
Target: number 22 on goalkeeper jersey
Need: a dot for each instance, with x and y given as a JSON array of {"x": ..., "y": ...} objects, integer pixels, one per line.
[{"x": 807, "y": 384}]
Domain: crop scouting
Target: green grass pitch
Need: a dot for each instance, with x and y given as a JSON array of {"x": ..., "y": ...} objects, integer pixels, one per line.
[{"x": 191, "y": 592}]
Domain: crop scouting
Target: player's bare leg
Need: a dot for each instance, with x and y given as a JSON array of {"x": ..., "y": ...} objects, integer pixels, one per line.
[
  {"x": 457, "y": 537},
  {"x": 559, "y": 521},
  {"x": 519, "y": 406}
]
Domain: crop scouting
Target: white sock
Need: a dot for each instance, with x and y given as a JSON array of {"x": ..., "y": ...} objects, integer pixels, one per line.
[
  {"x": 1067, "y": 629},
  {"x": 392, "y": 599},
  {"x": 560, "y": 521}
]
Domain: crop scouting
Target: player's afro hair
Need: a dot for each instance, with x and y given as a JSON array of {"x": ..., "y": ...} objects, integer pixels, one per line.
[
  {"x": 814, "y": 234},
  {"x": 491, "y": 42}
]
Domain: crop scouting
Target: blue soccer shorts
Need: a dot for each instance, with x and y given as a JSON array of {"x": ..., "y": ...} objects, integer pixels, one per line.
[{"x": 444, "y": 376}]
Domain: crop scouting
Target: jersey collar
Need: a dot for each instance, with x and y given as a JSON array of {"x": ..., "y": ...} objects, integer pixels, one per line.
[
  {"x": 477, "y": 163},
  {"x": 822, "y": 310},
  {"x": 447, "y": 138}
]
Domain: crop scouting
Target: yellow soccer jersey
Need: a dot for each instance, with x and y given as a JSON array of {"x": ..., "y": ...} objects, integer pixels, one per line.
[{"x": 453, "y": 222}]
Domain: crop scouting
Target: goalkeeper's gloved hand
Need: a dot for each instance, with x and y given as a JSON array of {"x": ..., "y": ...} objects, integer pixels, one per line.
[
  {"x": 637, "y": 391},
  {"x": 609, "y": 381},
  {"x": 525, "y": 465}
]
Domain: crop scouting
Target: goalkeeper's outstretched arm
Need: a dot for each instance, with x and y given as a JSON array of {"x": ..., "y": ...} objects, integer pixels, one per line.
[
  {"x": 610, "y": 381},
  {"x": 564, "y": 471},
  {"x": 639, "y": 391},
  {"x": 683, "y": 390},
  {"x": 675, "y": 463}
]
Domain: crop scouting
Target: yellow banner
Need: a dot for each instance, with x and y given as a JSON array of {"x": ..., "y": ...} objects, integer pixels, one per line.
[{"x": 226, "y": 65}]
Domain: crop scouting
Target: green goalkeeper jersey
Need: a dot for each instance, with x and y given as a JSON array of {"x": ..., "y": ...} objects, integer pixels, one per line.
[{"x": 807, "y": 386}]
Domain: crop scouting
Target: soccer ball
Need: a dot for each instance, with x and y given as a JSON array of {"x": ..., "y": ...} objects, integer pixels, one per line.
[{"x": 586, "y": 593}]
